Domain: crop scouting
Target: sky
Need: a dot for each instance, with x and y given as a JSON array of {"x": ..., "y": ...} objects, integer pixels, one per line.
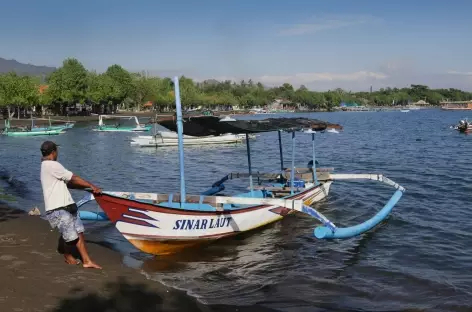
[{"x": 322, "y": 44}]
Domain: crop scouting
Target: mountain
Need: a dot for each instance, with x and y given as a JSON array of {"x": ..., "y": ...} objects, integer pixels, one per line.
[{"x": 23, "y": 69}]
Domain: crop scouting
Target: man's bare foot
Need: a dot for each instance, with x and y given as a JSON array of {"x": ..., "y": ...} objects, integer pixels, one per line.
[
  {"x": 91, "y": 265},
  {"x": 69, "y": 259}
]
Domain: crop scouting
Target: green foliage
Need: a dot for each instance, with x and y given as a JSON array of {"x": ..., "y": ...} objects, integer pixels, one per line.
[
  {"x": 121, "y": 83},
  {"x": 72, "y": 83},
  {"x": 18, "y": 90},
  {"x": 69, "y": 83}
]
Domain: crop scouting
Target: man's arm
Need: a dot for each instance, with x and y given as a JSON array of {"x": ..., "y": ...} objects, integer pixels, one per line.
[
  {"x": 73, "y": 181},
  {"x": 77, "y": 182}
]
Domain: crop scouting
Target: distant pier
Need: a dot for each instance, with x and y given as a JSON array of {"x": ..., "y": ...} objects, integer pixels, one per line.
[{"x": 456, "y": 105}]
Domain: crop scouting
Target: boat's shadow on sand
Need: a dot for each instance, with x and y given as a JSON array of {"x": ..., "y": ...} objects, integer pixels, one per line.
[{"x": 125, "y": 296}]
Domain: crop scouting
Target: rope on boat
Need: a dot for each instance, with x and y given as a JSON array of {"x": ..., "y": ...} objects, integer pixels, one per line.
[{"x": 330, "y": 231}]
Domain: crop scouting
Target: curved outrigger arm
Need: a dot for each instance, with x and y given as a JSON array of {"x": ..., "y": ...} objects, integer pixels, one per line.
[{"x": 328, "y": 230}]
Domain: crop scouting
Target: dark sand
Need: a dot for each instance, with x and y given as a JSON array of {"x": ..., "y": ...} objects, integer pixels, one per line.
[{"x": 34, "y": 276}]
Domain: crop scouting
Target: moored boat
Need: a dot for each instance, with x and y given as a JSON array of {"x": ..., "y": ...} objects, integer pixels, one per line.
[
  {"x": 27, "y": 131},
  {"x": 67, "y": 125},
  {"x": 138, "y": 127},
  {"x": 162, "y": 224},
  {"x": 166, "y": 138}
]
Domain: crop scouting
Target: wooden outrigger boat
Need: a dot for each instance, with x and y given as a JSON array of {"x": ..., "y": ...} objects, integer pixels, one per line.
[
  {"x": 28, "y": 131},
  {"x": 171, "y": 138},
  {"x": 67, "y": 125},
  {"x": 163, "y": 224},
  {"x": 165, "y": 138},
  {"x": 120, "y": 128}
]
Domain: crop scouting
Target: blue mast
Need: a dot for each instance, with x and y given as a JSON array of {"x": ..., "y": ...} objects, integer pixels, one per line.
[
  {"x": 292, "y": 175},
  {"x": 315, "y": 178},
  {"x": 281, "y": 152},
  {"x": 248, "y": 147},
  {"x": 178, "y": 108}
]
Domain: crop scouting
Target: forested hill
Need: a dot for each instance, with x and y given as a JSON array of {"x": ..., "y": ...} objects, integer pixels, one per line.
[{"x": 23, "y": 69}]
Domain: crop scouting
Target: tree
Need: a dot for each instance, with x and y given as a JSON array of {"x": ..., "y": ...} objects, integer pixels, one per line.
[
  {"x": 142, "y": 90},
  {"x": 121, "y": 84},
  {"x": 19, "y": 91},
  {"x": 72, "y": 83},
  {"x": 68, "y": 84}
]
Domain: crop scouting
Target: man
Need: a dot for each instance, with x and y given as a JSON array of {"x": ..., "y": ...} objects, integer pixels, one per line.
[{"x": 61, "y": 210}]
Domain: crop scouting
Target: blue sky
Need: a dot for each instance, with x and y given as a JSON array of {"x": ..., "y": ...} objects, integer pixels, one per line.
[{"x": 319, "y": 43}]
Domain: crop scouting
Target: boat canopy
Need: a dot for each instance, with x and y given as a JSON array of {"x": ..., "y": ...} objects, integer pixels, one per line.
[
  {"x": 212, "y": 125},
  {"x": 101, "y": 117}
]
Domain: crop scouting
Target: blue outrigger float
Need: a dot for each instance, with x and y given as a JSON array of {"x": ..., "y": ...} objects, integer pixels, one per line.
[{"x": 163, "y": 224}]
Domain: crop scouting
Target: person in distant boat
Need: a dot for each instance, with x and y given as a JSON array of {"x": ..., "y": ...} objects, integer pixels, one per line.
[{"x": 61, "y": 210}]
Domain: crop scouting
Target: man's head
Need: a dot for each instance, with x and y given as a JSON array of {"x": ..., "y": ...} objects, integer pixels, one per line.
[{"x": 49, "y": 150}]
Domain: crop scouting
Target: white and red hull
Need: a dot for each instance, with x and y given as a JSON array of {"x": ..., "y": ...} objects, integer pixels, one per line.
[{"x": 156, "y": 229}]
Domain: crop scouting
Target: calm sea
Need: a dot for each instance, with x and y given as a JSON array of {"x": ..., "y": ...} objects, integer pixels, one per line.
[{"x": 421, "y": 258}]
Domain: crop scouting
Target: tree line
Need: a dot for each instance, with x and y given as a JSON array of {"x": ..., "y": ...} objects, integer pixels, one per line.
[{"x": 72, "y": 83}]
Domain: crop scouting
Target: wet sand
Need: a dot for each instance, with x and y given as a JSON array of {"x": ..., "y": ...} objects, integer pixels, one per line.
[{"x": 34, "y": 276}]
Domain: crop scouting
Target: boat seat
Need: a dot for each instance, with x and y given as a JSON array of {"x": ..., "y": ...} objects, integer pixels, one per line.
[
  {"x": 278, "y": 191},
  {"x": 207, "y": 207},
  {"x": 306, "y": 175}
]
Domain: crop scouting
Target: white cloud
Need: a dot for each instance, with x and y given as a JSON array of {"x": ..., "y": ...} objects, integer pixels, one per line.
[
  {"x": 453, "y": 72},
  {"x": 327, "y": 22},
  {"x": 308, "y": 78}
]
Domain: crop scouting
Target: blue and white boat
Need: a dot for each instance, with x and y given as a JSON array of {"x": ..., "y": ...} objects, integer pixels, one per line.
[{"x": 163, "y": 224}]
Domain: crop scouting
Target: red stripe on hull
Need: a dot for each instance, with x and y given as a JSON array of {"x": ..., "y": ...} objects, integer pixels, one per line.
[{"x": 134, "y": 221}]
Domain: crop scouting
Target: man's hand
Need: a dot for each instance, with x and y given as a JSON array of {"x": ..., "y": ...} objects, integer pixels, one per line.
[{"x": 96, "y": 190}]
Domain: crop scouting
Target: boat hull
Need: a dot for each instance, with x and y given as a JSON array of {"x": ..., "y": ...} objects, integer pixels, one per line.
[
  {"x": 61, "y": 127},
  {"x": 167, "y": 139},
  {"x": 32, "y": 133},
  {"x": 123, "y": 129},
  {"x": 160, "y": 230},
  {"x": 466, "y": 129}
]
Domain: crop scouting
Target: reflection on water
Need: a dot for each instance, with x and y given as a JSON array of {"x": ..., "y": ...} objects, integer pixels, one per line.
[{"x": 417, "y": 259}]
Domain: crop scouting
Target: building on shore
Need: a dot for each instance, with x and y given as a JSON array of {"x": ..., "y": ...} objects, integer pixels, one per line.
[
  {"x": 420, "y": 103},
  {"x": 282, "y": 105},
  {"x": 456, "y": 105}
]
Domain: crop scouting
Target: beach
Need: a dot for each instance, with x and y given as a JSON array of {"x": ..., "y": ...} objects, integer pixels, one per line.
[{"x": 36, "y": 278}]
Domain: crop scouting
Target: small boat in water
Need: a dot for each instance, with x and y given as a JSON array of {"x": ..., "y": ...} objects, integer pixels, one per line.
[
  {"x": 119, "y": 127},
  {"x": 404, "y": 110},
  {"x": 67, "y": 125},
  {"x": 28, "y": 131},
  {"x": 161, "y": 224},
  {"x": 167, "y": 138},
  {"x": 463, "y": 126}
]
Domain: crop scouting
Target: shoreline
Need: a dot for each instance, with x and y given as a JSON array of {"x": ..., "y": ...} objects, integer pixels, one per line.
[
  {"x": 146, "y": 114},
  {"x": 35, "y": 277},
  {"x": 40, "y": 121}
]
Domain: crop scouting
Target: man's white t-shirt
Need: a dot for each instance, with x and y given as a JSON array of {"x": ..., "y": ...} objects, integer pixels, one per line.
[{"x": 54, "y": 179}]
